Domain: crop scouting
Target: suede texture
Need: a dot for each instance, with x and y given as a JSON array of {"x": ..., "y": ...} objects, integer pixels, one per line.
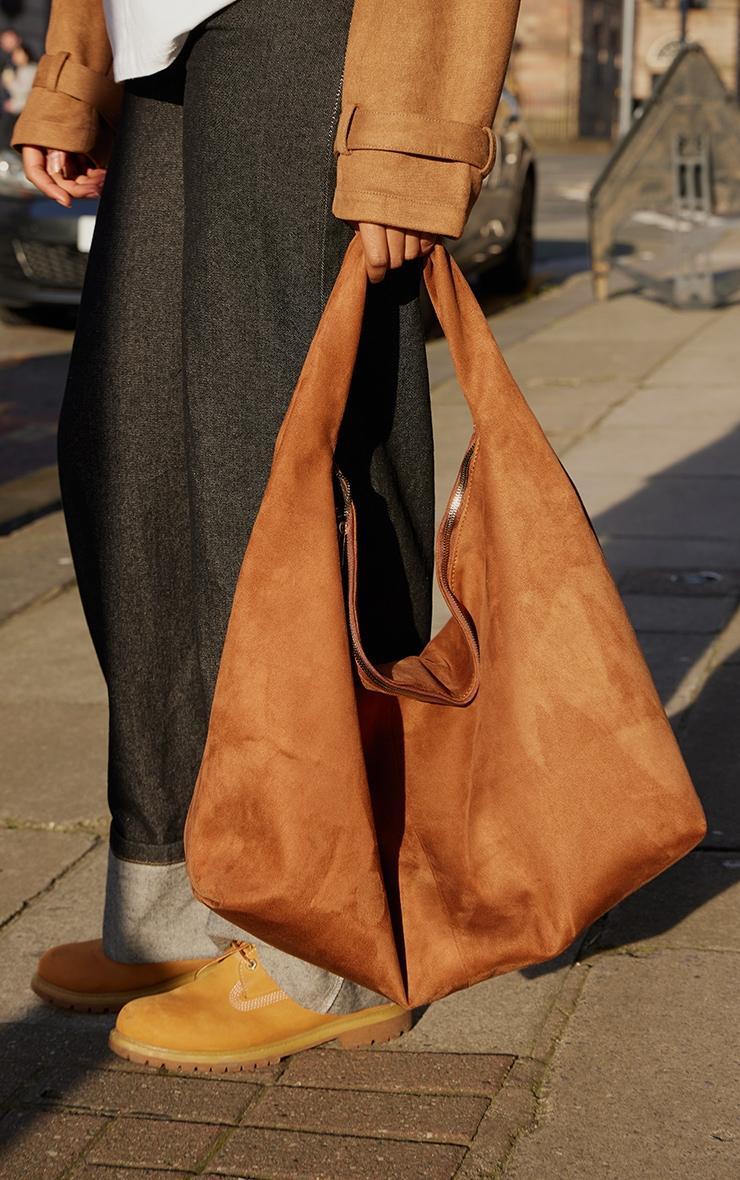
[
  {"x": 422, "y": 79},
  {"x": 221, "y": 1012},
  {"x": 84, "y": 967},
  {"x": 420, "y": 88},
  {"x": 419, "y": 847}
]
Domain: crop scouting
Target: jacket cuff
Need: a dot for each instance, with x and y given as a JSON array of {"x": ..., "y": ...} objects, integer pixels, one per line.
[
  {"x": 410, "y": 192},
  {"x": 409, "y": 170},
  {"x": 70, "y": 107}
]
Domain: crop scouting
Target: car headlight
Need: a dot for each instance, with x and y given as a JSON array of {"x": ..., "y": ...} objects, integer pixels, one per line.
[{"x": 13, "y": 181}]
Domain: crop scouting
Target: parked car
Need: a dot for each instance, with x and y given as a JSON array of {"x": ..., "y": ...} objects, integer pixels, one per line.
[
  {"x": 43, "y": 246},
  {"x": 499, "y": 235}
]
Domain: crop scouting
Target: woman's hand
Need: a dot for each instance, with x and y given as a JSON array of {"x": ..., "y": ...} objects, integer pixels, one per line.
[
  {"x": 63, "y": 176},
  {"x": 387, "y": 247}
]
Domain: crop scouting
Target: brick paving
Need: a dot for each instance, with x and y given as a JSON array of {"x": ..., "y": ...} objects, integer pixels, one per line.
[{"x": 376, "y": 1114}]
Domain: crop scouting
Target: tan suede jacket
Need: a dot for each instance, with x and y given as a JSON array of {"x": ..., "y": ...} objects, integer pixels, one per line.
[{"x": 422, "y": 81}]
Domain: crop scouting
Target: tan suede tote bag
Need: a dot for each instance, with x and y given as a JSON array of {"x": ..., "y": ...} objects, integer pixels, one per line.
[{"x": 423, "y": 825}]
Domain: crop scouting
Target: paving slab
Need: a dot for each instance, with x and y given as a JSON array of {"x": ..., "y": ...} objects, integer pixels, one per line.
[
  {"x": 439, "y": 363},
  {"x": 518, "y": 322},
  {"x": 36, "y": 562},
  {"x": 656, "y": 405},
  {"x": 679, "y": 614},
  {"x": 155, "y": 1143},
  {"x": 574, "y": 406},
  {"x": 674, "y": 554},
  {"x": 425, "y": 1117},
  {"x": 727, "y": 648},
  {"x": 626, "y": 318},
  {"x": 447, "y": 393},
  {"x": 711, "y": 747},
  {"x": 53, "y": 744},
  {"x": 694, "y": 905},
  {"x": 33, "y": 494},
  {"x": 685, "y": 507},
  {"x": 147, "y": 1094},
  {"x": 32, "y": 388},
  {"x": 28, "y": 340},
  {"x": 413, "y": 1073},
  {"x": 561, "y": 442},
  {"x": 103, "y": 1172},
  {"x": 75, "y": 1037},
  {"x": 677, "y": 664},
  {"x": 43, "y": 1146},
  {"x": 56, "y": 761},
  {"x": 287, "y": 1155},
  {"x": 687, "y": 583},
  {"x": 532, "y": 315},
  {"x": 453, "y": 428},
  {"x": 536, "y": 359},
  {"x": 711, "y": 357},
  {"x": 49, "y": 644},
  {"x": 502, "y": 1015},
  {"x": 642, "y": 1083},
  {"x": 31, "y": 860},
  {"x": 72, "y": 910},
  {"x": 706, "y": 447}
]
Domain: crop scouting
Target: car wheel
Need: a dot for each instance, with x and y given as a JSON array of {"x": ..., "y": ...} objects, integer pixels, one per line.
[{"x": 515, "y": 271}]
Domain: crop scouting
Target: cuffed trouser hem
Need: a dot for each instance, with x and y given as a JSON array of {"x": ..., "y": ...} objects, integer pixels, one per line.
[{"x": 151, "y": 916}]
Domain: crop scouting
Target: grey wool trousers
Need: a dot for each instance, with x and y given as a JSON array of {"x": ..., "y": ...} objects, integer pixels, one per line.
[{"x": 214, "y": 253}]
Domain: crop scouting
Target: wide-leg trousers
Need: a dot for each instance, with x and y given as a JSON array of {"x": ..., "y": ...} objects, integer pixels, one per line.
[{"x": 214, "y": 253}]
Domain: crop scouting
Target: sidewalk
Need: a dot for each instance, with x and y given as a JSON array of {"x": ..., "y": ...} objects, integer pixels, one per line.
[{"x": 613, "y": 1062}]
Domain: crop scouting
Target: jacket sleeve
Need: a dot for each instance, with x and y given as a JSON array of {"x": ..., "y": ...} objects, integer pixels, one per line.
[
  {"x": 74, "y": 102},
  {"x": 421, "y": 85}
]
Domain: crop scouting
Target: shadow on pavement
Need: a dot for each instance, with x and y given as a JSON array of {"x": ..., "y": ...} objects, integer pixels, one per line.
[
  {"x": 707, "y": 728},
  {"x": 32, "y": 390},
  {"x": 45, "y": 1059}
]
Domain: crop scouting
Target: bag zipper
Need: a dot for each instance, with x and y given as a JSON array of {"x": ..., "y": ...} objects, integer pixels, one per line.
[{"x": 448, "y": 526}]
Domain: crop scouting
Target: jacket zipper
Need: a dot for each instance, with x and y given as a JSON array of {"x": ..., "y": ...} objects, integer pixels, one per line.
[{"x": 332, "y": 133}]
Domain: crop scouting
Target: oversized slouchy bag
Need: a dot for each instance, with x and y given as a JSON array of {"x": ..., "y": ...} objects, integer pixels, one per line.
[{"x": 425, "y": 824}]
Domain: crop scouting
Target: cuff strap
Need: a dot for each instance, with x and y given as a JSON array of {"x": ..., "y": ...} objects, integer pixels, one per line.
[
  {"x": 57, "y": 71},
  {"x": 415, "y": 135}
]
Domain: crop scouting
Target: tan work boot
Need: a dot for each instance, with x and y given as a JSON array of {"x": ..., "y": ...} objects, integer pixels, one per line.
[
  {"x": 80, "y": 976},
  {"x": 234, "y": 1017}
]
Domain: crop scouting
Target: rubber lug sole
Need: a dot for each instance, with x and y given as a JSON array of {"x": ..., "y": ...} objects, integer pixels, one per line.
[
  {"x": 61, "y": 997},
  {"x": 373, "y": 1033}
]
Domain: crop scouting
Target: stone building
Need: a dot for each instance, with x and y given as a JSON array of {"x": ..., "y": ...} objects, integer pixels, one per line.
[{"x": 567, "y": 57}]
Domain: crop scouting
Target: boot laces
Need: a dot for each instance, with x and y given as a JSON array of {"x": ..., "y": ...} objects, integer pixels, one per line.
[{"x": 247, "y": 952}]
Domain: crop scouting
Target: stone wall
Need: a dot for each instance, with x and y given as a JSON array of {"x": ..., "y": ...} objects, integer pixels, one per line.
[{"x": 566, "y": 60}]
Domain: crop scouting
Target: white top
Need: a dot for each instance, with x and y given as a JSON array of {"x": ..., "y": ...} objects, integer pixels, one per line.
[{"x": 146, "y": 35}]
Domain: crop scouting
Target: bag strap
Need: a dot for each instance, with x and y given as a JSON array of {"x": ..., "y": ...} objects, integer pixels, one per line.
[
  {"x": 320, "y": 397},
  {"x": 420, "y": 677},
  {"x": 446, "y": 672}
]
